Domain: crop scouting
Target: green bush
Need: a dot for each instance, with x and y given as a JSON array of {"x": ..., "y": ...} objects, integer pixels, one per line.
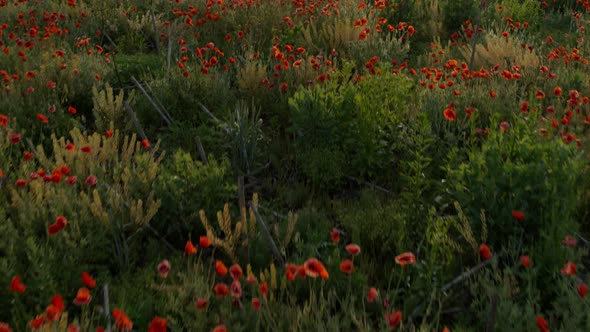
[
  {"x": 519, "y": 170},
  {"x": 376, "y": 224},
  {"x": 455, "y": 13},
  {"x": 350, "y": 130},
  {"x": 104, "y": 221},
  {"x": 187, "y": 186},
  {"x": 529, "y": 11}
]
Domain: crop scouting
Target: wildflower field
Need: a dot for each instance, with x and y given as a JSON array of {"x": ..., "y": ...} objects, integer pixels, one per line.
[{"x": 294, "y": 165}]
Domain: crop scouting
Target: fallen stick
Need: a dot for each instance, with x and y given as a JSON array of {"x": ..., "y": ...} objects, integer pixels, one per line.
[
  {"x": 135, "y": 121},
  {"x": 273, "y": 246},
  {"x": 201, "y": 150},
  {"x": 465, "y": 275},
  {"x": 150, "y": 100}
]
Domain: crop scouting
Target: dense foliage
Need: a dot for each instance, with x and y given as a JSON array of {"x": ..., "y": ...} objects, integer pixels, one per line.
[{"x": 199, "y": 165}]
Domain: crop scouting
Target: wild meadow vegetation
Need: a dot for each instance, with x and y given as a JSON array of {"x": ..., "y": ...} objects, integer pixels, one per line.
[{"x": 303, "y": 165}]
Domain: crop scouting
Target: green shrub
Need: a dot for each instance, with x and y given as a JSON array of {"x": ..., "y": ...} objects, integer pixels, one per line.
[
  {"x": 104, "y": 221},
  {"x": 321, "y": 120},
  {"x": 376, "y": 224},
  {"x": 517, "y": 170},
  {"x": 187, "y": 186},
  {"x": 455, "y": 13},
  {"x": 350, "y": 130}
]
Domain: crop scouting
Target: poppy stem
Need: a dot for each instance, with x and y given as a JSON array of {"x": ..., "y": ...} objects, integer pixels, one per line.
[
  {"x": 272, "y": 244},
  {"x": 397, "y": 286}
]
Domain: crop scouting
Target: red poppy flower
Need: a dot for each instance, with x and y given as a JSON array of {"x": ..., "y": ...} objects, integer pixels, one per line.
[
  {"x": 70, "y": 147},
  {"x": 88, "y": 280},
  {"x": 313, "y": 268},
  {"x": 405, "y": 258},
  {"x": 17, "y": 286},
  {"x": 100, "y": 329},
  {"x": 582, "y": 290},
  {"x": 255, "y": 303},
  {"x": 72, "y": 110},
  {"x": 263, "y": 288},
  {"x": 291, "y": 271},
  {"x": 3, "y": 120},
  {"x": 37, "y": 322},
  {"x": 570, "y": 241},
  {"x": 393, "y": 319},
  {"x": 65, "y": 170},
  {"x": 83, "y": 296},
  {"x": 28, "y": 155},
  {"x": 56, "y": 176},
  {"x": 492, "y": 94},
  {"x": 86, "y": 149},
  {"x": 158, "y": 324},
  {"x": 301, "y": 271},
  {"x": 204, "y": 242},
  {"x": 145, "y": 143},
  {"x": 372, "y": 294},
  {"x": 5, "y": 327},
  {"x": 121, "y": 320},
  {"x": 53, "y": 229},
  {"x": 540, "y": 94},
  {"x": 353, "y": 249},
  {"x": 251, "y": 279},
  {"x": 58, "y": 302},
  {"x": 504, "y": 125},
  {"x": 347, "y": 266},
  {"x": 542, "y": 324},
  {"x": 60, "y": 223},
  {"x": 91, "y": 180},
  {"x": 335, "y": 235},
  {"x": 190, "y": 248},
  {"x": 484, "y": 251},
  {"x": 557, "y": 91},
  {"x": 236, "y": 289},
  {"x": 220, "y": 268},
  {"x": 221, "y": 290},
  {"x": 164, "y": 268},
  {"x": 568, "y": 269},
  {"x": 449, "y": 114},
  {"x": 73, "y": 328},
  {"x": 42, "y": 118},
  {"x": 14, "y": 138},
  {"x": 518, "y": 215},
  {"x": 201, "y": 304},
  {"x": 235, "y": 271},
  {"x": 21, "y": 182},
  {"x": 220, "y": 328},
  {"x": 525, "y": 261},
  {"x": 71, "y": 180}
]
